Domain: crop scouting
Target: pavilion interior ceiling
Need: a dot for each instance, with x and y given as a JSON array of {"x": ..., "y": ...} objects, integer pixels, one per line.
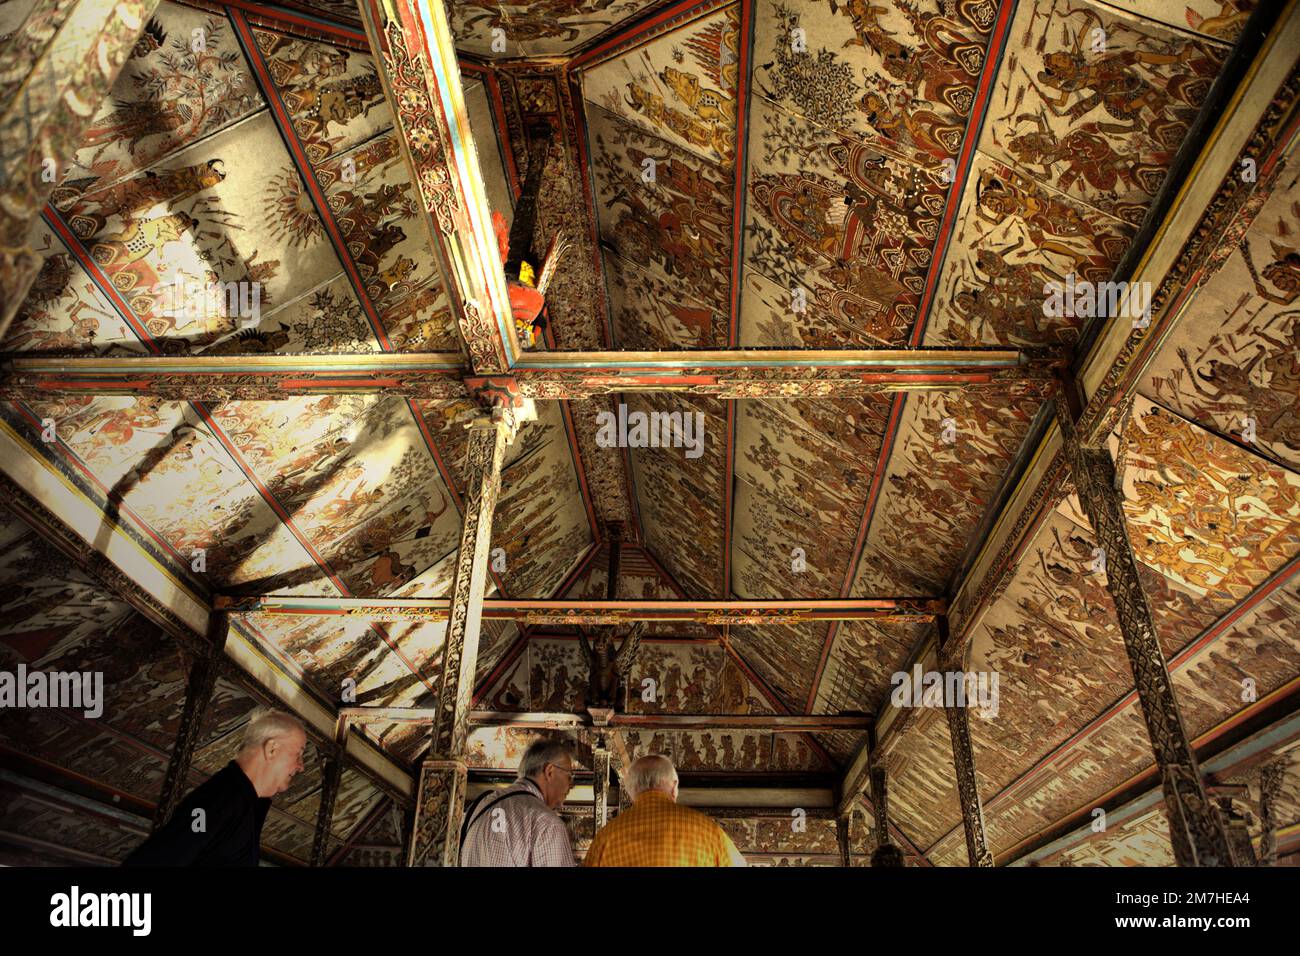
[{"x": 841, "y": 174}]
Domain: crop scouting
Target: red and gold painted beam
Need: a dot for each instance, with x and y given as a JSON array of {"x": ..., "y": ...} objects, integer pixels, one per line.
[
  {"x": 731, "y": 374},
  {"x": 736, "y": 612},
  {"x": 738, "y": 723}
]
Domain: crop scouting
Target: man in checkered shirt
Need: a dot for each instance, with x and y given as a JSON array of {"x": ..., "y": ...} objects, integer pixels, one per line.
[
  {"x": 518, "y": 826},
  {"x": 656, "y": 830}
]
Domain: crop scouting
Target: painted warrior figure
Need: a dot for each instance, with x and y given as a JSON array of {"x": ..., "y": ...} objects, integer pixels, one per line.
[{"x": 608, "y": 670}]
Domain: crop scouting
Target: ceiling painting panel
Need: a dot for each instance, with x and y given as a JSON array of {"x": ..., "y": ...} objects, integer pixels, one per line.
[
  {"x": 678, "y": 497},
  {"x": 663, "y": 207},
  {"x": 648, "y": 312},
  {"x": 1231, "y": 364},
  {"x": 64, "y": 311},
  {"x": 785, "y": 656},
  {"x": 169, "y": 95},
  {"x": 167, "y": 466},
  {"x": 1090, "y": 107},
  {"x": 540, "y": 28},
  {"x": 949, "y": 456},
  {"x": 1014, "y": 237},
  {"x": 681, "y": 86},
  {"x": 842, "y": 228},
  {"x": 903, "y": 72},
  {"x": 1099, "y": 101},
  {"x": 923, "y": 801},
  {"x": 540, "y": 523},
  {"x": 1208, "y": 514},
  {"x": 863, "y": 658}
]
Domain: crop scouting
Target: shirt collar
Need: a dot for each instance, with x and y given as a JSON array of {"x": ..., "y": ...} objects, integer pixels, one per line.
[{"x": 249, "y": 790}]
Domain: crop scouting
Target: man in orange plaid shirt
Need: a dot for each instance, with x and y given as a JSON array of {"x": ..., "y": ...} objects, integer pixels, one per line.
[{"x": 656, "y": 831}]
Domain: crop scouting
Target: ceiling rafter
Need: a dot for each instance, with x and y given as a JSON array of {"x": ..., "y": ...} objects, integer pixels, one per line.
[
  {"x": 734, "y": 611},
  {"x": 553, "y": 376}
]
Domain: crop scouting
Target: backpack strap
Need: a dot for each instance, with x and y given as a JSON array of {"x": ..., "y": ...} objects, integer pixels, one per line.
[{"x": 481, "y": 803}]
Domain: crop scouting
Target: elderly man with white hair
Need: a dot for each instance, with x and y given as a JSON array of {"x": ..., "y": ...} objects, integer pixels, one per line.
[
  {"x": 518, "y": 826},
  {"x": 220, "y": 822},
  {"x": 656, "y": 830}
]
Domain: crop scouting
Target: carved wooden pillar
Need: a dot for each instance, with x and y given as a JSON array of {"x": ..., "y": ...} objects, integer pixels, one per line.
[
  {"x": 842, "y": 837},
  {"x": 1195, "y": 828},
  {"x": 204, "y": 671},
  {"x": 55, "y": 70},
  {"x": 441, "y": 793},
  {"x": 332, "y": 777},
  {"x": 963, "y": 757},
  {"x": 972, "y": 812},
  {"x": 1234, "y": 824},
  {"x": 880, "y": 803},
  {"x": 1270, "y": 788},
  {"x": 600, "y": 784}
]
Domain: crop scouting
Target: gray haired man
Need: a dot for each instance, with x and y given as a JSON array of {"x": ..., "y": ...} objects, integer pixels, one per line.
[
  {"x": 220, "y": 822},
  {"x": 518, "y": 826}
]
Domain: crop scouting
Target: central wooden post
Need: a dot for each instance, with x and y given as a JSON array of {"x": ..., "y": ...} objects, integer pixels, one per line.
[{"x": 440, "y": 799}]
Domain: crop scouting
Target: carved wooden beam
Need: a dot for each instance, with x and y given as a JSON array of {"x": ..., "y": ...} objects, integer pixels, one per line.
[
  {"x": 415, "y": 56},
  {"x": 56, "y": 68},
  {"x": 597, "y": 612},
  {"x": 746, "y": 723},
  {"x": 732, "y": 374}
]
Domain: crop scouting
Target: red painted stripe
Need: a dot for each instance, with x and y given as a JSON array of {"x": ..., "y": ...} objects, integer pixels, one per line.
[
  {"x": 983, "y": 92},
  {"x": 741, "y": 169},
  {"x": 281, "y": 15},
  {"x": 728, "y": 490},
  {"x": 74, "y": 245}
]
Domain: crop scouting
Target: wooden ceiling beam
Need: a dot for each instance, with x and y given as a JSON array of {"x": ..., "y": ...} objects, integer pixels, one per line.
[
  {"x": 727, "y": 374},
  {"x": 564, "y": 611},
  {"x": 738, "y": 723},
  {"x": 416, "y": 60}
]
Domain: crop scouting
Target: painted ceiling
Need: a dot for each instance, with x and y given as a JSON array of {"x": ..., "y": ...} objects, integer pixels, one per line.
[{"x": 752, "y": 174}]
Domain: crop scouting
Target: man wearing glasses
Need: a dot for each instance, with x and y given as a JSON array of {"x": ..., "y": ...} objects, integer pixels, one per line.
[{"x": 518, "y": 826}]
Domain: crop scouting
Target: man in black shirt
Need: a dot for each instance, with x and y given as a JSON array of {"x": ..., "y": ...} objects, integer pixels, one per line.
[{"x": 220, "y": 822}]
